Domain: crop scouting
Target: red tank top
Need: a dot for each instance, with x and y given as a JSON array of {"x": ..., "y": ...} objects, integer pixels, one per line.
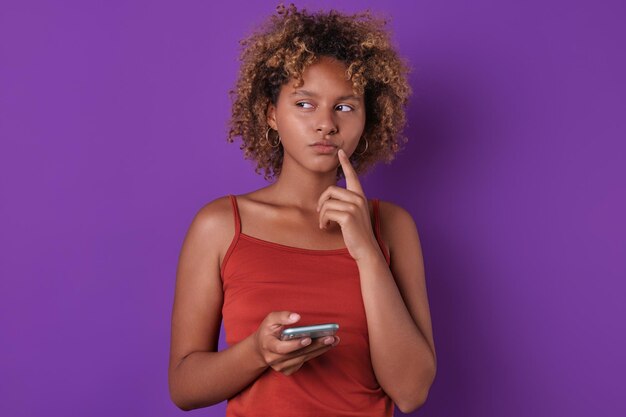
[{"x": 322, "y": 286}]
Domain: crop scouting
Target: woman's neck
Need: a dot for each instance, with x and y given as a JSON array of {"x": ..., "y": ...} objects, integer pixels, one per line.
[{"x": 302, "y": 190}]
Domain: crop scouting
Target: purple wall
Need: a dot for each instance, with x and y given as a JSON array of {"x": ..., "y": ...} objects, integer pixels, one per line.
[{"x": 112, "y": 127}]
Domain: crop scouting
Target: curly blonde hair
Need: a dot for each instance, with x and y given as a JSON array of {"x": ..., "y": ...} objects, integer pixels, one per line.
[{"x": 282, "y": 49}]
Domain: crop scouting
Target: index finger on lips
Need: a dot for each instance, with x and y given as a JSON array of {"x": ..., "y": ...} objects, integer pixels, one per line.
[{"x": 352, "y": 180}]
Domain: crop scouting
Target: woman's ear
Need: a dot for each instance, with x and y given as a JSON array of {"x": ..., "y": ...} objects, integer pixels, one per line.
[{"x": 271, "y": 116}]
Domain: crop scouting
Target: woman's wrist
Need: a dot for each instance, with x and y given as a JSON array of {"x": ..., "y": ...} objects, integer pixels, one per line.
[
  {"x": 252, "y": 346},
  {"x": 371, "y": 258}
]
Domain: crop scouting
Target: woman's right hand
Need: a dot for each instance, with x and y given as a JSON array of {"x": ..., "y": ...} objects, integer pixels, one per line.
[{"x": 287, "y": 356}]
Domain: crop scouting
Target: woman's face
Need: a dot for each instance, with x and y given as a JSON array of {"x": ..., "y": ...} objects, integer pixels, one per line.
[{"x": 318, "y": 118}]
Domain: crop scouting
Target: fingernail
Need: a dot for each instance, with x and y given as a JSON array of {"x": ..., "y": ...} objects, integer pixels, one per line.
[
  {"x": 329, "y": 341},
  {"x": 294, "y": 317},
  {"x": 306, "y": 341}
]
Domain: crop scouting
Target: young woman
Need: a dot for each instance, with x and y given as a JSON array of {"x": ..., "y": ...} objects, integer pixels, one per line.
[{"x": 319, "y": 97}]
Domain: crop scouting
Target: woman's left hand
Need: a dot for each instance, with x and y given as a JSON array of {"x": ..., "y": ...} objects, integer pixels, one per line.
[{"x": 349, "y": 208}]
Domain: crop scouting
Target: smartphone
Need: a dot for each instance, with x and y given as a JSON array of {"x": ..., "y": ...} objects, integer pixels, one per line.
[{"x": 313, "y": 331}]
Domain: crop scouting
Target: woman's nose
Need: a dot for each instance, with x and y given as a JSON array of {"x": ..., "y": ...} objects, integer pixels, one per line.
[{"x": 326, "y": 123}]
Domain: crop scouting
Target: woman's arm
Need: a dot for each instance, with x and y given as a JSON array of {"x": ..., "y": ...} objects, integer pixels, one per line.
[
  {"x": 199, "y": 375},
  {"x": 398, "y": 316},
  {"x": 396, "y": 305}
]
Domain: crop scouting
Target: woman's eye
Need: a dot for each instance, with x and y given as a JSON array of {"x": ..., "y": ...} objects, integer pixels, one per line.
[
  {"x": 304, "y": 105},
  {"x": 344, "y": 107}
]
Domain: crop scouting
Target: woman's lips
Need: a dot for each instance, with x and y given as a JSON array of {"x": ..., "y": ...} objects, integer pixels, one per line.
[{"x": 324, "y": 147}]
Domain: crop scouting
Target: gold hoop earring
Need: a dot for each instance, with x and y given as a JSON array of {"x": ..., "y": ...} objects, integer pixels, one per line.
[
  {"x": 267, "y": 139},
  {"x": 364, "y": 150}
]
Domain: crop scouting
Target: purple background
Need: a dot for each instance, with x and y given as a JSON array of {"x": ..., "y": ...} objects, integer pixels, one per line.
[{"x": 112, "y": 125}]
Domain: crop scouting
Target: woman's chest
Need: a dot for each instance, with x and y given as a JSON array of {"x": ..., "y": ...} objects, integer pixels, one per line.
[{"x": 322, "y": 287}]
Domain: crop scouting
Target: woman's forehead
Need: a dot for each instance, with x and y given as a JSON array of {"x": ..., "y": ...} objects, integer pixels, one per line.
[{"x": 324, "y": 76}]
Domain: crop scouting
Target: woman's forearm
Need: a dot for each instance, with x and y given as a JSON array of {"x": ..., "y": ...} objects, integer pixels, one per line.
[
  {"x": 205, "y": 378},
  {"x": 403, "y": 361}
]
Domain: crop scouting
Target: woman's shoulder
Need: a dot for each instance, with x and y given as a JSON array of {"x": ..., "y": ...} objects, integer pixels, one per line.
[
  {"x": 215, "y": 221},
  {"x": 215, "y": 211},
  {"x": 391, "y": 210},
  {"x": 395, "y": 220}
]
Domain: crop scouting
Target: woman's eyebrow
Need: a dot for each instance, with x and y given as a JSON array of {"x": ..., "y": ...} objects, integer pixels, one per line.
[
  {"x": 349, "y": 97},
  {"x": 303, "y": 93},
  {"x": 311, "y": 94}
]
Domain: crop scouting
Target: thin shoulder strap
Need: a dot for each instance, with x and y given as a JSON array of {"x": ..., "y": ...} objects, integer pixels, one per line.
[
  {"x": 233, "y": 201},
  {"x": 233, "y": 243},
  {"x": 379, "y": 238}
]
